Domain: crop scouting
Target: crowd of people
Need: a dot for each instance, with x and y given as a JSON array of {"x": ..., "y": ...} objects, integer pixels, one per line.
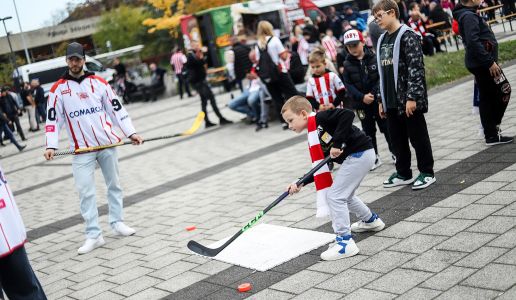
[{"x": 29, "y": 99}]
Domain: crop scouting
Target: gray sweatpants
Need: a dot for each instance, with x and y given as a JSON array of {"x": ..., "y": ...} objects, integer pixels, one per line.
[{"x": 341, "y": 196}]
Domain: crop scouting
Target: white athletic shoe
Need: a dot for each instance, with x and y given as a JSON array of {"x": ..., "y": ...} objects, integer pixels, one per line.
[
  {"x": 343, "y": 247},
  {"x": 397, "y": 180},
  {"x": 91, "y": 244},
  {"x": 119, "y": 228},
  {"x": 373, "y": 224},
  {"x": 377, "y": 163}
]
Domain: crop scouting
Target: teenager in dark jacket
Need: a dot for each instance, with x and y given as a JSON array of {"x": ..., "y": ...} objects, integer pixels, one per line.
[
  {"x": 11, "y": 109},
  {"x": 404, "y": 96},
  {"x": 481, "y": 60},
  {"x": 361, "y": 80},
  {"x": 195, "y": 63},
  {"x": 4, "y": 128},
  {"x": 242, "y": 62}
]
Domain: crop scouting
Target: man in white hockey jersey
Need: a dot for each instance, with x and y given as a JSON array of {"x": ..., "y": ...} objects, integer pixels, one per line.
[
  {"x": 17, "y": 278},
  {"x": 89, "y": 109}
]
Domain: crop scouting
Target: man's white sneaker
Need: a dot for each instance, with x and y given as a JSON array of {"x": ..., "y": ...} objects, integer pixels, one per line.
[
  {"x": 373, "y": 224},
  {"x": 344, "y": 246},
  {"x": 377, "y": 163},
  {"x": 119, "y": 228},
  {"x": 91, "y": 244}
]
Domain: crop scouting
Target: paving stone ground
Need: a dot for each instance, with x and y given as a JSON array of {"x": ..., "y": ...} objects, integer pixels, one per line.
[{"x": 456, "y": 240}]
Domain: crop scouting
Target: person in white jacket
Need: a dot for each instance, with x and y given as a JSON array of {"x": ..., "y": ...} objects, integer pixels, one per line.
[
  {"x": 17, "y": 278},
  {"x": 89, "y": 109}
]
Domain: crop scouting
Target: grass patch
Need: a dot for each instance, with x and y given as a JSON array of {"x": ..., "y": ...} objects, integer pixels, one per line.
[{"x": 447, "y": 67}]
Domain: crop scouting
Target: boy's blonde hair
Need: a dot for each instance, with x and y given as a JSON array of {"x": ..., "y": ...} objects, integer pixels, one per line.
[
  {"x": 318, "y": 55},
  {"x": 386, "y": 5},
  {"x": 297, "y": 104}
]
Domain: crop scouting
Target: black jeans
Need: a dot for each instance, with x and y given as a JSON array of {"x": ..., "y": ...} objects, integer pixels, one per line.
[
  {"x": 206, "y": 95},
  {"x": 491, "y": 106},
  {"x": 369, "y": 118},
  {"x": 18, "y": 279},
  {"x": 403, "y": 129},
  {"x": 9, "y": 134},
  {"x": 41, "y": 112},
  {"x": 19, "y": 129},
  {"x": 429, "y": 43},
  {"x": 182, "y": 81},
  {"x": 284, "y": 87}
]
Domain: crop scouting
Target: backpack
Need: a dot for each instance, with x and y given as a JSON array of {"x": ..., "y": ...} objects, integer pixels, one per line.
[
  {"x": 267, "y": 70},
  {"x": 297, "y": 71}
]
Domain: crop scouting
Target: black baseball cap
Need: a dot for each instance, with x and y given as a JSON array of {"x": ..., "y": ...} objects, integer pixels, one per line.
[{"x": 75, "y": 49}]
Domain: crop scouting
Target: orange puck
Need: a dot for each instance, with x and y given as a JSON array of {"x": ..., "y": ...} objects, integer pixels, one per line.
[
  {"x": 190, "y": 228},
  {"x": 244, "y": 287}
]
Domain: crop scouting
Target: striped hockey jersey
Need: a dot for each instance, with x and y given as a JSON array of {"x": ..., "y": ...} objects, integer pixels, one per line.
[
  {"x": 324, "y": 89},
  {"x": 12, "y": 230},
  {"x": 89, "y": 109}
]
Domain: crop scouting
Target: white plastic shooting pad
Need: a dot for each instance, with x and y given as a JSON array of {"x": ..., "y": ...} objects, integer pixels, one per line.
[{"x": 265, "y": 246}]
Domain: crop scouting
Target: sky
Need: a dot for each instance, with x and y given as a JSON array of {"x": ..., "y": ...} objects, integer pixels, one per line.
[{"x": 33, "y": 13}]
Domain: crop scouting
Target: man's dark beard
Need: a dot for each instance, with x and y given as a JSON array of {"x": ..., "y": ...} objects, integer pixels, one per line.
[{"x": 75, "y": 74}]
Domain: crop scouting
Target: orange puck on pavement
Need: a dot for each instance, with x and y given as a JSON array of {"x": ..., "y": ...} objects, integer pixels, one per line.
[
  {"x": 190, "y": 228},
  {"x": 245, "y": 287}
]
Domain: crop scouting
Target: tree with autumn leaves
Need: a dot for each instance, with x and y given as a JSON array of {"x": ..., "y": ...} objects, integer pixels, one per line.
[{"x": 173, "y": 10}]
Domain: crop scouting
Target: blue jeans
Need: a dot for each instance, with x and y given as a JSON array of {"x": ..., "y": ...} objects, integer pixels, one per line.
[
  {"x": 247, "y": 103},
  {"x": 9, "y": 134},
  {"x": 84, "y": 175}
]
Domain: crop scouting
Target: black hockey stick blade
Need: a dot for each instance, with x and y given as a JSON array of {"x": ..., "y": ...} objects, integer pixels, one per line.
[{"x": 212, "y": 252}]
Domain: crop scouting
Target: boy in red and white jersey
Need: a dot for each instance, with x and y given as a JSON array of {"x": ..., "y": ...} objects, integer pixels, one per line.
[
  {"x": 17, "y": 278},
  {"x": 324, "y": 89},
  {"x": 89, "y": 109}
]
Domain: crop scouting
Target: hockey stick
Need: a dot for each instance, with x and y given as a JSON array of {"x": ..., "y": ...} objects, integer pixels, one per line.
[
  {"x": 195, "y": 126},
  {"x": 205, "y": 251}
]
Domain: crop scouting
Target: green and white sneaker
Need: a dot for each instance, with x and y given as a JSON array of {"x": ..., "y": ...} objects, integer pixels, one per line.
[
  {"x": 422, "y": 181},
  {"x": 397, "y": 180}
]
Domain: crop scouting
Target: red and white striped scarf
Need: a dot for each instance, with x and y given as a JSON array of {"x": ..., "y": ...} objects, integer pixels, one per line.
[
  {"x": 418, "y": 27},
  {"x": 322, "y": 177}
]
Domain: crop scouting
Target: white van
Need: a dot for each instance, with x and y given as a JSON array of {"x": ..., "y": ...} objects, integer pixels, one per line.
[{"x": 49, "y": 71}]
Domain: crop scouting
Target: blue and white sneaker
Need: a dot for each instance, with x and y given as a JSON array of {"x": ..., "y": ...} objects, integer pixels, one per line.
[
  {"x": 344, "y": 246},
  {"x": 373, "y": 224}
]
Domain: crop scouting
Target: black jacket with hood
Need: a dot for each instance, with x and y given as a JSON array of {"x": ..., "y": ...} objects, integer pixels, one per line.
[
  {"x": 361, "y": 77},
  {"x": 409, "y": 71},
  {"x": 477, "y": 36}
]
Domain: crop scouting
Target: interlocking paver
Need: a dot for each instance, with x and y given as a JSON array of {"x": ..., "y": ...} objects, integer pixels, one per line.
[
  {"x": 419, "y": 294},
  {"x": 399, "y": 281},
  {"x": 369, "y": 294},
  {"x": 432, "y": 214},
  {"x": 493, "y": 276},
  {"x": 481, "y": 257},
  {"x": 466, "y": 241},
  {"x": 349, "y": 280},
  {"x": 434, "y": 260},
  {"x": 300, "y": 282},
  {"x": 418, "y": 243},
  {"x": 402, "y": 229},
  {"x": 448, "y": 227},
  {"x": 464, "y": 292},
  {"x": 314, "y": 293},
  {"x": 384, "y": 261},
  {"x": 447, "y": 278}
]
